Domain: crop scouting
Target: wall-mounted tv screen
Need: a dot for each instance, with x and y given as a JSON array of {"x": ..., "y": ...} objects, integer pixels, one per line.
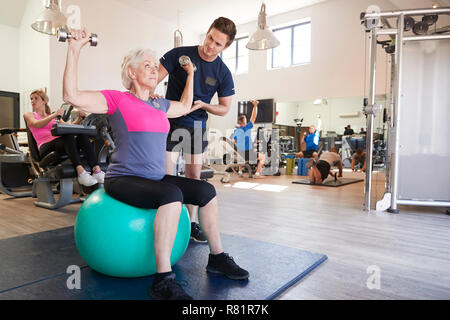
[{"x": 266, "y": 110}]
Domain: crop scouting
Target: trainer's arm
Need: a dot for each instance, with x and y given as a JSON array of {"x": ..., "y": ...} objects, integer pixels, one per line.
[
  {"x": 220, "y": 109},
  {"x": 88, "y": 101}
]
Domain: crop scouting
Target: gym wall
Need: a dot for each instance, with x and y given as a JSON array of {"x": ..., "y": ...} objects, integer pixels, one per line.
[
  {"x": 9, "y": 59},
  {"x": 32, "y": 60},
  {"x": 120, "y": 28},
  {"x": 34, "y": 64},
  {"x": 24, "y": 58}
]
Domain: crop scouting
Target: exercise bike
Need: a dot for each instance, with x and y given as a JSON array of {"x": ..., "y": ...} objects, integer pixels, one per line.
[{"x": 16, "y": 174}]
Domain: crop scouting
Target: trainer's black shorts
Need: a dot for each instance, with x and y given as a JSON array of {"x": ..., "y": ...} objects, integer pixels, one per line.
[
  {"x": 190, "y": 140},
  {"x": 324, "y": 169}
]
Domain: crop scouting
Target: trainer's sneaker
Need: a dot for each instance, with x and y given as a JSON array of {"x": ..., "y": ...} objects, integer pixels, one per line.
[
  {"x": 99, "y": 176},
  {"x": 86, "y": 179},
  {"x": 310, "y": 163},
  {"x": 224, "y": 264},
  {"x": 168, "y": 289},
  {"x": 197, "y": 234}
]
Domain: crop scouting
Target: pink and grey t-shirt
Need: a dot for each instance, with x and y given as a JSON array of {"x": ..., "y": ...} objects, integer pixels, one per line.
[
  {"x": 140, "y": 129},
  {"x": 44, "y": 134}
]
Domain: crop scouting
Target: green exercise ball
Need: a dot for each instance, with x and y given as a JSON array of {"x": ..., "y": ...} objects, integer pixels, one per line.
[{"x": 117, "y": 239}]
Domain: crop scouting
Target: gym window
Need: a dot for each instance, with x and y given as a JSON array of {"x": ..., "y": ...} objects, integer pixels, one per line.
[
  {"x": 294, "y": 48},
  {"x": 236, "y": 56}
]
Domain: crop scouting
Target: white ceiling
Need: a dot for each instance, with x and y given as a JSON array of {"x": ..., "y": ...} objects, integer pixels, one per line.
[{"x": 197, "y": 14}]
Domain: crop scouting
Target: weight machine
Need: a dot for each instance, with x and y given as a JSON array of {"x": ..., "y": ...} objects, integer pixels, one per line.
[{"x": 417, "y": 171}]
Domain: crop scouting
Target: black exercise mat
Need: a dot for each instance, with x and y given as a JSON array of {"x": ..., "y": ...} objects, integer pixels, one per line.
[
  {"x": 37, "y": 256},
  {"x": 272, "y": 268}
]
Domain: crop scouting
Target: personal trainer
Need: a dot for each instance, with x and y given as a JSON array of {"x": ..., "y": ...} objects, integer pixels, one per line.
[{"x": 212, "y": 76}]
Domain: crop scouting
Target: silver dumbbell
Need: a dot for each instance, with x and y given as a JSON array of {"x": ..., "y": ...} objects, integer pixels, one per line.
[
  {"x": 63, "y": 35},
  {"x": 184, "y": 60}
]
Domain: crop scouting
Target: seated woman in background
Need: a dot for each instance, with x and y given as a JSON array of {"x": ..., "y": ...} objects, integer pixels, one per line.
[{"x": 40, "y": 123}]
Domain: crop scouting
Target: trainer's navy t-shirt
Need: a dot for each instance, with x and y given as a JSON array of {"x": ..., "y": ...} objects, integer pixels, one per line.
[{"x": 210, "y": 77}]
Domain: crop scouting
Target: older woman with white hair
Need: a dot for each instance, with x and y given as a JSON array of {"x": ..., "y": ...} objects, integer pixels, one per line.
[{"x": 136, "y": 174}]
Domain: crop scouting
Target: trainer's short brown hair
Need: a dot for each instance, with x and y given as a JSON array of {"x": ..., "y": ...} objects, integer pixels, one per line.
[{"x": 226, "y": 26}]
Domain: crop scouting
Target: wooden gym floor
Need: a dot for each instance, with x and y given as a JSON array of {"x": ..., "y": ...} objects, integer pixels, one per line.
[{"x": 411, "y": 250}]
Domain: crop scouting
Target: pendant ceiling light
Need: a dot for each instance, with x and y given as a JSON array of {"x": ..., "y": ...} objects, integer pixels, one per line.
[
  {"x": 263, "y": 38},
  {"x": 177, "y": 35},
  {"x": 177, "y": 39},
  {"x": 51, "y": 19}
]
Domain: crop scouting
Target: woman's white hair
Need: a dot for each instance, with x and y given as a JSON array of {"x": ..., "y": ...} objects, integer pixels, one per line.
[{"x": 131, "y": 60}]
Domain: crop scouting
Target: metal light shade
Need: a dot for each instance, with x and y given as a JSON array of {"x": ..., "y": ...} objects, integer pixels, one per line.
[
  {"x": 177, "y": 39},
  {"x": 51, "y": 19},
  {"x": 263, "y": 38}
]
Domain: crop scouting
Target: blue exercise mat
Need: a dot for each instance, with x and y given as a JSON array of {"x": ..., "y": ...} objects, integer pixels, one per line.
[{"x": 34, "y": 267}]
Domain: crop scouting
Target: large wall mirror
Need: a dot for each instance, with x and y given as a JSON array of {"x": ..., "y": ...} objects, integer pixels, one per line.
[{"x": 336, "y": 114}]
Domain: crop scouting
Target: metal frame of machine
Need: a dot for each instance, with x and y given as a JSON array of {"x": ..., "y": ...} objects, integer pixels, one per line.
[{"x": 376, "y": 24}]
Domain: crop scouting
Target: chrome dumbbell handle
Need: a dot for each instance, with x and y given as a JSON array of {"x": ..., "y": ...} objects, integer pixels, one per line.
[
  {"x": 184, "y": 60},
  {"x": 63, "y": 35}
]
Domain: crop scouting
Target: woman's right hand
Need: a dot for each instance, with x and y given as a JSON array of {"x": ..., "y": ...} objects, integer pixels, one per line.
[{"x": 79, "y": 39}]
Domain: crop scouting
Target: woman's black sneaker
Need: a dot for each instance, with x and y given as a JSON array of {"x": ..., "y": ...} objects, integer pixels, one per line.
[
  {"x": 168, "y": 289},
  {"x": 224, "y": 264},
  {"x": 197, "y": 234}
]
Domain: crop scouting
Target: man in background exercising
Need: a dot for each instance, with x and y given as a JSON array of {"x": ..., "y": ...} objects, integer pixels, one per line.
[
  {"x": 242, "y": 136},
  {"x": 319, "y": 170},
  {"x": 311, "y": 140}
]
